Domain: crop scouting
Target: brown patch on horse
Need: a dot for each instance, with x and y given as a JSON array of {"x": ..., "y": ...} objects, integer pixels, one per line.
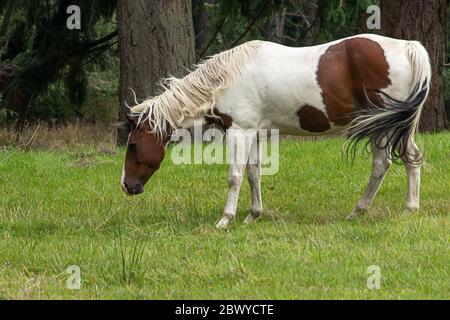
[
  {"x": 313, "y": 120},
  {"x": 344, "y": 70},
  {"x": 223, "y": 120}
]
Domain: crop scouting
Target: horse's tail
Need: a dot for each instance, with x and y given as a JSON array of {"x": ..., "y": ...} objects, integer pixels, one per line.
[{"x": 392, "y": 123}]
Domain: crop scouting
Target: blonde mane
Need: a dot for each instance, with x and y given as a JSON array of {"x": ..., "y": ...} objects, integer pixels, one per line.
[{"x": 196, "y": 93}]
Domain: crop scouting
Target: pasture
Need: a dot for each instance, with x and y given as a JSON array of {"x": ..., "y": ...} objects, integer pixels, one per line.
[{"x": 66, "y": 208}]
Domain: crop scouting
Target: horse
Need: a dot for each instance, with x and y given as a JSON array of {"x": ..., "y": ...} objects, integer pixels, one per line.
[{"x": 369, "y": 87}]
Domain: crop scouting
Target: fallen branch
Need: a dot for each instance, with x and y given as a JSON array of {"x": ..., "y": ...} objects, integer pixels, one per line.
[{"x": 32, "y": 140}]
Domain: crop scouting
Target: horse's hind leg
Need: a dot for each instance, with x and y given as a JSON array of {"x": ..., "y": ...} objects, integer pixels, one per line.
[
  {"x": 413, "y": 171},
  {"x": 254, "y": 179},
  {"x": 380, "y": 165}
]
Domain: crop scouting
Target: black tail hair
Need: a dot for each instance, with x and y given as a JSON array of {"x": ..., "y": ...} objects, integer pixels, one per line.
[{"x": 389, "y": 124}]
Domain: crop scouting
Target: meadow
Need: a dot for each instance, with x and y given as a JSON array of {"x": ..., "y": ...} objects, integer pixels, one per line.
[{"x": 62, "y": 208}]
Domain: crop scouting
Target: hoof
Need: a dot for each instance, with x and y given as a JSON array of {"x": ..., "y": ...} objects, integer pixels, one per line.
[
  {"x": 411, "y": 210},
  {"x": 352, "y": 216},
  {"x": 356, "y": 213},
  {"x": 251, "y": 218},
  {"x": 224, "y": 223}
]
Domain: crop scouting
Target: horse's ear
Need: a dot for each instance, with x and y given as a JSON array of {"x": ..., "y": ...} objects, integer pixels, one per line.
[
  {"x": 128, "y": 125},
  {"x": 124, "y": 125},
  {"x": 132, "y": 120}
]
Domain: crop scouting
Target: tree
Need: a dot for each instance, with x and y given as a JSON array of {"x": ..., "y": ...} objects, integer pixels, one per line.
[
  {"x": 156, "y": 38},
  {"x": 424, "y": 21},
  {"x": 35, "y": 41},
  {"x": 201, "y": 25}
]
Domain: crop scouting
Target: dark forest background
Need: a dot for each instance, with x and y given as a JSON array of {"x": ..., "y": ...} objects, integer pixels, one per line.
[{"x": 53, "y": 75}]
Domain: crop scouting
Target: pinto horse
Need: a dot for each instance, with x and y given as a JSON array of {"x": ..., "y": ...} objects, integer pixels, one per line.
[{"x": 366, "y": 86}]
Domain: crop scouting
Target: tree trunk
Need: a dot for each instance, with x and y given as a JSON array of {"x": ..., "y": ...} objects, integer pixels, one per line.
[
  {"x": 201, "y": 23},
  {"x": 156, "y": 39},
  {"x": 425, "y": 21}
]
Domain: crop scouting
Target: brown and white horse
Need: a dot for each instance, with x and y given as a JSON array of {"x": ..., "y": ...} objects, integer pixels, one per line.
[{"x": 367, "y": 86}]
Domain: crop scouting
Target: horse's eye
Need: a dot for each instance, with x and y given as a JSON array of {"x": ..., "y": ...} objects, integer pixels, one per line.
[{"x": 132, "y": 146}]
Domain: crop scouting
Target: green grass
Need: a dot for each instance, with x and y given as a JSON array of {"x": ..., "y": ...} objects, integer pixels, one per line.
[{"x": 60, "y": 209}]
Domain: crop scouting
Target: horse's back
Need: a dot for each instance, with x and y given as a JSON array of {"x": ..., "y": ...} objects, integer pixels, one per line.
[{"x": 315, "y": 90}]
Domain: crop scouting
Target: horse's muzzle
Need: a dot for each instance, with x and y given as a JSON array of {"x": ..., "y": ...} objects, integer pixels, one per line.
[{"x": 133, "y": 190}]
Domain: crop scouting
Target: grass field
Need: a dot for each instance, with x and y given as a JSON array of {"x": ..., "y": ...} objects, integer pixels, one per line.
[{"x": 66, "y": 208}]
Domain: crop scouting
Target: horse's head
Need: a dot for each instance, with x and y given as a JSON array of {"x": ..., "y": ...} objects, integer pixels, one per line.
[{"x": 145, "y": 152}]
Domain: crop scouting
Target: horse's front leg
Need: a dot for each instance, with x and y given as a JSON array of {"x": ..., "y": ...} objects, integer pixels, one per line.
[
  {"x": 239, "y": 144},
  {"x": 235, "y": 178}
]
